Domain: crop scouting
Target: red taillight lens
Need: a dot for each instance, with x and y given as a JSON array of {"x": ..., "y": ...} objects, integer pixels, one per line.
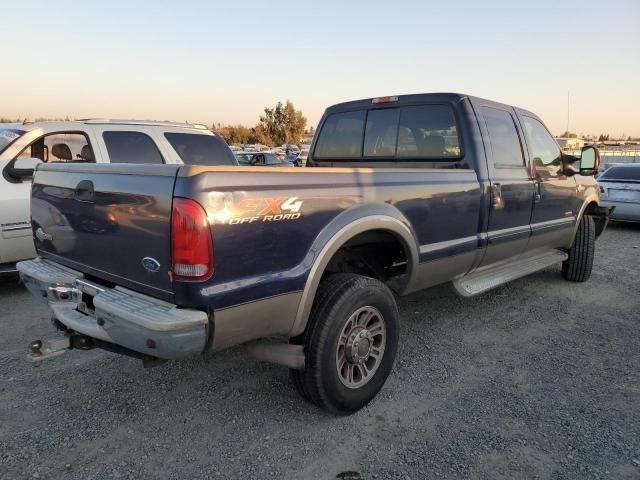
[{"x": 191, "y": 244}]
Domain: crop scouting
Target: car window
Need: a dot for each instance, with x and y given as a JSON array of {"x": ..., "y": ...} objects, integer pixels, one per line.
[
  {"x": 60, "y": 147},
  {"x": 398, "y": 134},
  {"x": 623, "y": 174},
  {"x": 341, "y": 136},
  {"x": 271, "y": 159},
  {"x": 545, "y": 152},
  {"x": 243, "y": 158},
  {"x": 380, "y": 133},
  {"x": 428, "y": 131},
  {"x": 503, "y": 137},
  {"x": 196, "y": 149},
  {"x": 131, "y": 147}
]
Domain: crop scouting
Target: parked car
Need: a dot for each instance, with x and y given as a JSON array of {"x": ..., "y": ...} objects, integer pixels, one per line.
[
  {"x": 620, "y": 188},
  {"x": 261, "y": 159},
  {"x": 290, "y": 148},
  {"x": 303, "y": 266},
  {"x": 278, "y": 152},
  {"x": 24, "y": 146},
  {"x": 302, "y": 157}
]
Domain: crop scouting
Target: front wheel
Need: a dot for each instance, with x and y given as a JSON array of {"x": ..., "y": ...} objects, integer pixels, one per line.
[
  {"x": 577, "y": 268},
  {"x": 350, "y": 343}
]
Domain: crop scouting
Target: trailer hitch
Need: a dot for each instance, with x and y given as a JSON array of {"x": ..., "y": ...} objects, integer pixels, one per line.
[{"x": 44, "y": 350}]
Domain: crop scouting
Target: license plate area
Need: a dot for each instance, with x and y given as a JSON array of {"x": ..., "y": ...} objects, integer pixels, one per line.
[{"x": 87, "y": 291}]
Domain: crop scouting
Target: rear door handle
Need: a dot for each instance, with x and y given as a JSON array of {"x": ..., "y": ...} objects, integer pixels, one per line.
[
  {"x": 496, "y": 196},
  {"x": 85, "y": 191},
  {"x": 537, "y": 195}
]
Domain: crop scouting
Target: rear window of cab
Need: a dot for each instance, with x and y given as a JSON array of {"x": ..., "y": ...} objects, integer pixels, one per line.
[{"x": 422, "y": 132}]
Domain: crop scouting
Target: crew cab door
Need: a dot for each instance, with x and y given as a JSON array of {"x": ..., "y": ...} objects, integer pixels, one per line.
[
  {"x": 512, "y": 186},
  {"x": 554, "y": 210}
]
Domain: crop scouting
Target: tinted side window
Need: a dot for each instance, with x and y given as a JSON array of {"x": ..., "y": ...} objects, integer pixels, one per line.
[
  {"x": 341, "y": 136},
  {"x": 131, "y": 147},
  {"x": 504, "y": 139},
  {"x": 545, "y": 153},
  {"x": 197, "y": 149},
  {"x": 428, "y": 131},
  {"x": 381, "y": 132}
]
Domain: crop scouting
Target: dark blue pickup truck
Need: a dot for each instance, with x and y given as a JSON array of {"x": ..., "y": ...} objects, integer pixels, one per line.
[{"x": 303, "y": 264}]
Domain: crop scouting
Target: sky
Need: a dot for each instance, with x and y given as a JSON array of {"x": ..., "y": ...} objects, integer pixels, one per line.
[{"x": 223, "y": 62}]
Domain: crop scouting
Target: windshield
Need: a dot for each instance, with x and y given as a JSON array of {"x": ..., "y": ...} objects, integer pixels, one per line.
[
  {"x": 621, "y": 174},
  {"x": 243, "y": 158},
  {"x": 198, "y": 149},
  {"x": 8, "y": 136}
]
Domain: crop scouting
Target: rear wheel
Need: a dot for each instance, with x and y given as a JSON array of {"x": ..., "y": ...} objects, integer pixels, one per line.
[
  {"x": 577, "y": 268},
  {"x": 350, "y": 343}
]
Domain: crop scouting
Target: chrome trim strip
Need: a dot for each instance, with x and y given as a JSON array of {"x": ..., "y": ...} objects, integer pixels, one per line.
[
  {"x": 432, "y": 247},
  {"x": 15, "y": 229},
  {"x": 552, "y": 223}
]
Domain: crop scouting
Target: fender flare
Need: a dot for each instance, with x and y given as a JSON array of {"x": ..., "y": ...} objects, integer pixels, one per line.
[
  {"x": 592, "y": 198},
  {"x": 387, "y": 221}
]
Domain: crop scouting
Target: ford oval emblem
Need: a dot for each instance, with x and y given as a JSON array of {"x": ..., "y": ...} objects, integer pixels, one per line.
[{"x": 150, "y": 264}]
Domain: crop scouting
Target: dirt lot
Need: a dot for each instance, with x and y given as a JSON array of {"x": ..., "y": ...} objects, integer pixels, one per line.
[{"x": 537, "y": 379}]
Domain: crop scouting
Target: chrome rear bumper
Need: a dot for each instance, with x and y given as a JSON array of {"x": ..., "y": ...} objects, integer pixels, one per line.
[{"x": 116, "y": 315}]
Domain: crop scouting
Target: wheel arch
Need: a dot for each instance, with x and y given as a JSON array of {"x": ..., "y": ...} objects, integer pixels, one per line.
[
  {"x": 384, "y": 219},
  {"x": 592, "y": 201}
]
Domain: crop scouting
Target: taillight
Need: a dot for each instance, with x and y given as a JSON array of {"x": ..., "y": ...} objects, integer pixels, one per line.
[{"x": 191, "y": 244}]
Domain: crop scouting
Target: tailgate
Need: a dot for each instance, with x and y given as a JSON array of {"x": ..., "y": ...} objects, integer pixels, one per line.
[{"x": 108, "y": 221}]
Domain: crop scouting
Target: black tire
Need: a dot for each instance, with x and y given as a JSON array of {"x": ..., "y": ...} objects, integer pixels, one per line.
[
  {"x": 577, "y": 268},
  {"x": 338, "y": 297}
]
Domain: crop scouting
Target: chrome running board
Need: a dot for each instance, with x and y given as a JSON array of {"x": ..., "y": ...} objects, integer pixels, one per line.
[{"x": 480, "y": 282}]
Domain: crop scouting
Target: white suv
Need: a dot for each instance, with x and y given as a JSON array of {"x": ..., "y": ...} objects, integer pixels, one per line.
[{"x": 24, "y": 146}]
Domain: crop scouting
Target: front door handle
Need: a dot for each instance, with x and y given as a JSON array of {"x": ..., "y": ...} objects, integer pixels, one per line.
[
  {"x": 536, "y": 194},
  {"x": 496, "y": 196}
]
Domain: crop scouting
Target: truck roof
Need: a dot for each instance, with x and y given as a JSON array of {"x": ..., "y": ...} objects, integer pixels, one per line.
[{"x": 449, "y": 97}]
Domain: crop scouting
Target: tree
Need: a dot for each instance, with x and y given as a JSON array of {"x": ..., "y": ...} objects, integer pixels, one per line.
[
  {"x": 234, "y": 133},
  {"x": 281, "y": 124},
  {"x": 568, "y": 134},
  {"x": 603, "y": 137}
]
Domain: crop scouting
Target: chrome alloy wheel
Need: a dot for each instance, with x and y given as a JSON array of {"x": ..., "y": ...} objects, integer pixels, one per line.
[{"x": 360, "y": 347}]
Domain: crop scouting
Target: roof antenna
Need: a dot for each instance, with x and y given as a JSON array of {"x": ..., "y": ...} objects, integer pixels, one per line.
[{"x": 568, "y": 113}]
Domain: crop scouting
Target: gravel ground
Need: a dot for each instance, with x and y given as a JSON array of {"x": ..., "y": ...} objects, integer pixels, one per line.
[{"x": 537, "y": 379}]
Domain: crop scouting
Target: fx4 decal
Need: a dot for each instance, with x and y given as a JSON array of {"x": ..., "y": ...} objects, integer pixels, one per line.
[{"x": 263, "y": 209}]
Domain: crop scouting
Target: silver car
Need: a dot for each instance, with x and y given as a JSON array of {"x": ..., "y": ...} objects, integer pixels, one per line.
[{"x": 620, "y": 188}]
